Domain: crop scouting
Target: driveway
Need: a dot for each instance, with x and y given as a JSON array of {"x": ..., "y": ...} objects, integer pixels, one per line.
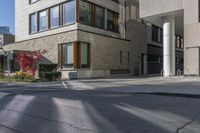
[{"x": 117, "y": 105}]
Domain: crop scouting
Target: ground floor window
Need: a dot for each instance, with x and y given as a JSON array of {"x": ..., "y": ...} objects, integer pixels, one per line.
[{"x": 74, "y": 55}]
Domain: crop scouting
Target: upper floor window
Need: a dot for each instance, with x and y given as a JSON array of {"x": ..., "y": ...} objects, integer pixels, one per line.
[
  {"x": 85, "y": 12},
  {"x": 33, "y": 23},
  {"x": 65, "y": 14},
  {"x": 43, "y": 20},
  {"x": 112, "y": 21},
  {"x": 69, "y": 12},
  {"x": 99, "y": 17},
  {"x": 54, "y": 17}
]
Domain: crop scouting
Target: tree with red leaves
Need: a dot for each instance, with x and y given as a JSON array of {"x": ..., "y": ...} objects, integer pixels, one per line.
[{"x": 28, "y": 60}]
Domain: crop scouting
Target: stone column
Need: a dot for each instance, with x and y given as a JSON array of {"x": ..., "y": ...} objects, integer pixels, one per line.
[
  {"x": 169, "y": 46},
  {"x": 8, "y": 64}
]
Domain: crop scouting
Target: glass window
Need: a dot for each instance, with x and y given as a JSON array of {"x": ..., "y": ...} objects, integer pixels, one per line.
[
  {"x": 110, "y": 20},
  {"x": 177, "y": 41},
  {"x": 68, "y": 59},
  {"x": 43, "y": 20},
  {"x": 33, "y": 22},
  {"x": 85, "y": 12},
  {"x": 54, "y": 17},
  {"x": 69, "y": 13},
  {"x": 182, "y": 43},
  {"x": 84, "y": 55},
  {"x": 99, "y": 17},
  {"x": 154, "y": 59}
]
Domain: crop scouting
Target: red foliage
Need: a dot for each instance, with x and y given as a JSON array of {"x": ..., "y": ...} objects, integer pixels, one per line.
[{"x": 27, "y": 60}]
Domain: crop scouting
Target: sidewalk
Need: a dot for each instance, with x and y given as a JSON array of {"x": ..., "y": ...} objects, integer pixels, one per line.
[{"x": 174, "y": 85}]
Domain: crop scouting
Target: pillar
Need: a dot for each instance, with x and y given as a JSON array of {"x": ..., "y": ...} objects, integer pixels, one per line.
[{"x": 169, "y": 46}]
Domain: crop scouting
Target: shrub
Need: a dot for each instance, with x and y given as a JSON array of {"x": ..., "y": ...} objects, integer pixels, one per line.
[
  {"x": 28, "y": 60},
  {"x": 48, "y": 72},
  {"x": 23, "y": 75},
  {"x": 18, "y": 77},
  {"x": 51, "y": 76},
  {"x": 47, "y": 68}
]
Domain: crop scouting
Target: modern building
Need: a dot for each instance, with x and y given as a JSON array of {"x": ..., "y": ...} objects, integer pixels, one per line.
[
  {"x": 90, "y": 38},
  {"x": 180, "y": 17},
  {"x": 4, "y": 30},
  {"x": 6, "y": 39}
]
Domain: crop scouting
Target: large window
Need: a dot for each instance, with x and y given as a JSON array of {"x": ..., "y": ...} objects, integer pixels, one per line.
[
  {"x": 85, "y": 12},
  {"x": 54, "y": 17},
  {"x": 99, "y": 17},
  {"x": 112, "y": 21},
  {"x": 74, "y": 55},
  {"x": 33, "y": 23},
  {"x": 69, "y": 13},
  {"x": 43, "y": 20},
  {"x": 68, "y": 59}
]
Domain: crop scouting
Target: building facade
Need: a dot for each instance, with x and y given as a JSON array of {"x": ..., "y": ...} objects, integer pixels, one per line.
[
  {"x": 177, "y": 17},
  {"x": 89, "y": 38}
]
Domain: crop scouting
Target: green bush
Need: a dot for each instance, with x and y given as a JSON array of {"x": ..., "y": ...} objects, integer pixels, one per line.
[
  {"x": 48, "y": 72},
  {"x": 51, "y": 76},
  {"x": 47, "y": 68}
]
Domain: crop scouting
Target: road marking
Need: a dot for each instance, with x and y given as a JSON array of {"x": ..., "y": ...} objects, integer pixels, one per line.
[{"x": 64, "y": 85}]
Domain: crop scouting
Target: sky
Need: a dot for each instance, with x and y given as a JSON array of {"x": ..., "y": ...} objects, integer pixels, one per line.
[{"x": 7, "y": 14}]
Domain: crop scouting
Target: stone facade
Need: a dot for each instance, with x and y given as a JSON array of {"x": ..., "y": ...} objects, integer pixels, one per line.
[{"x": 104, "y": 50}]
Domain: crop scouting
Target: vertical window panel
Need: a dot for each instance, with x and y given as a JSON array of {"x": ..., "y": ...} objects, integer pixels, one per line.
[
  {"x": 99, "y": 17},
  {"x": 43, "y": 20},
  {"x": 110, "y": 21},
  {"x": 85, "y": 12},
  {"x": 68, "y": 59},
  {"x": 54, "y": 17},
  {"x": 69, "y": 12},
  {"x": 33, "y": 23}
]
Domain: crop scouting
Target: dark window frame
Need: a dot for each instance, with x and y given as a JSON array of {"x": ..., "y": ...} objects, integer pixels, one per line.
[{"x": 76, "y": 56}]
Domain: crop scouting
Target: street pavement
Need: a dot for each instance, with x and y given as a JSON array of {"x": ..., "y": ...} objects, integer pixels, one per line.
[{"x": 115, "y": 105}]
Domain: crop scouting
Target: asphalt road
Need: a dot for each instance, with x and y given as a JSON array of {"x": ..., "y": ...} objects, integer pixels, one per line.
[{"x": 101, "y": 106}]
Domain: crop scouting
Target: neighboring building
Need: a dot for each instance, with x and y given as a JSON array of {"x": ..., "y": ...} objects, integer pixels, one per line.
[
  {"x": 4, "y": 30},
  {"x": 180, "y": 17},
  {"x": 6, "y": 39},
  {"x": 94, "y": 38}
]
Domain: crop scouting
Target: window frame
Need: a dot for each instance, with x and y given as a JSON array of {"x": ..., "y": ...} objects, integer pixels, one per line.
[
  {"x": 47, "y": 19},
  {"x": 48, "y": 11},
  {"x": 76, "y": 56},
  {"x": 30, "y": 23},
  {"x": 59, "y": 17}
]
